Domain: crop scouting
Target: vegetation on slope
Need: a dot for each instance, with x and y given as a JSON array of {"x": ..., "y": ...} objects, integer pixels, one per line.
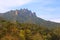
[{"x": 24, "y": 31}]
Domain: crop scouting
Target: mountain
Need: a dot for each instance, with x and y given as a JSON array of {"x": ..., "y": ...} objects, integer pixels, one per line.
[{"x": 26, "y": 16}]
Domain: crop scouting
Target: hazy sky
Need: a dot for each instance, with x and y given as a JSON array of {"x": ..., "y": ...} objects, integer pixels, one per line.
[{"x": 46, "y": 9}]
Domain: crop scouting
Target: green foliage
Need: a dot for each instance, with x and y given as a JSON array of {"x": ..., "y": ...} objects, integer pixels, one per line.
[{"x": 24, "y": 31}]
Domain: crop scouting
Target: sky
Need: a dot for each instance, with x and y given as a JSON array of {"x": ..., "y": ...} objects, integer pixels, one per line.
[{"x": 45, "y": 9}]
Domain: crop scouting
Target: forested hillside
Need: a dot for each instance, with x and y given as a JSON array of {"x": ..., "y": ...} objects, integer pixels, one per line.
[{"x": 26, "y": 31}]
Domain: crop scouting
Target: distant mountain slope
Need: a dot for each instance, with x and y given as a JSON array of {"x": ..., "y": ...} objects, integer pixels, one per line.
[{"x": 26, "y": 16}]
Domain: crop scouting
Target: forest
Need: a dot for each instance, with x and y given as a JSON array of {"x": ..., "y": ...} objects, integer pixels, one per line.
[{"x": 25, "y": 31}]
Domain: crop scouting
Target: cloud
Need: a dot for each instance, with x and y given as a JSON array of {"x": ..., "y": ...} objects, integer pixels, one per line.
[
  {"x": 10, "y": 3},
  {"x": 49, "y": 10},
  {"x": 5, "y": 4},
  {"x": 55, "y": 20}
]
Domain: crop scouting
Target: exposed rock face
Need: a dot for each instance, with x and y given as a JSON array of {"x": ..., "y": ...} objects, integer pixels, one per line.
[{"x": 26, "y": 16}]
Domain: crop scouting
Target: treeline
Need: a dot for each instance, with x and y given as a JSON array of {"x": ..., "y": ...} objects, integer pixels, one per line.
[{"x": 25, "y": 31}]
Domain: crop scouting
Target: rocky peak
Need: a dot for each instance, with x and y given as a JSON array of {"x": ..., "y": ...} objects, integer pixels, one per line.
[{"x": 25, "y": 12}]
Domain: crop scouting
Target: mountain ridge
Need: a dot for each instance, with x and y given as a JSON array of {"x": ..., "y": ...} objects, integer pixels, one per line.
[{"x": 26, "y": 16}]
